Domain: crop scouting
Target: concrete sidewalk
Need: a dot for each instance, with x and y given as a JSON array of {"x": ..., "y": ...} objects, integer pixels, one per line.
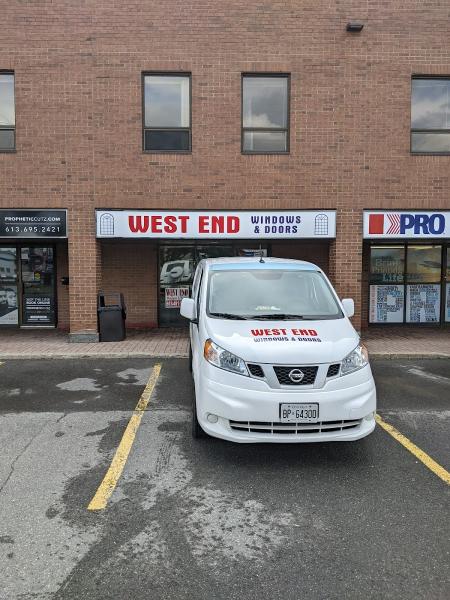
[
  {"x": 407, "y": 342},
  {"x": 390, "y": 342},
  {"x": 55, "y": 344}
]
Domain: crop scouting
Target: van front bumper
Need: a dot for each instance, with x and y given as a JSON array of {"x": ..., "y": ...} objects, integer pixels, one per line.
[{"x": 349, "y": 400}]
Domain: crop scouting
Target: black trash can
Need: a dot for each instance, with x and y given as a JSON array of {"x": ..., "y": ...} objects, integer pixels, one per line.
[{"x": 112, "y": 313}]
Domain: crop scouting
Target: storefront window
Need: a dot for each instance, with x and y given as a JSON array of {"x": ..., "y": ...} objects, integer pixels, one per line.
[
  {"x": 177, "y": 266},
  {"x": 387, "y": 264},
  {"x": 406, "y": 292},
  {"x": 423, "y": 264},
  {"x": 447, "y": 288},
  {"x": 9, "y": 313},
  {"x": 176, "y": 273}
]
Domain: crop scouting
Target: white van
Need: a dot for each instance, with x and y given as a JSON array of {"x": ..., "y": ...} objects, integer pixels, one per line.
[{"x": 274, "y": 356}]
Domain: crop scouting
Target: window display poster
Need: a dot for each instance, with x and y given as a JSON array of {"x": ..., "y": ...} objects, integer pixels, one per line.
[
  {"x": 386, "y": 303},
  {"x": 174, "y": 296},
  {"x": 9, "y": 314},
  {"x": 387, "y": 264},
  {"x": 423, "y": 303},
  {"x": 447, "y": 303},
  {"x": 38, "y": 310}
]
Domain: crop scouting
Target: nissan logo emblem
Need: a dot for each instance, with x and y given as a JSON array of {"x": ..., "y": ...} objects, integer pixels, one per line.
[{"x": 296, "y": 376}]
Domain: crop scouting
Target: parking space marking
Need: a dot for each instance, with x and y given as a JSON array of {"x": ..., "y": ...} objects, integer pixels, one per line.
[
  {"x": 107, "y": 486},
  {"x": 415, "y": 450}
]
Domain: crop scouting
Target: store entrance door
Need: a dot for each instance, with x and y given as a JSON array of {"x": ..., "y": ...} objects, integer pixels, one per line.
[
  {"x": 176, "y": 272},
  {"x": 38, "y": 286}
]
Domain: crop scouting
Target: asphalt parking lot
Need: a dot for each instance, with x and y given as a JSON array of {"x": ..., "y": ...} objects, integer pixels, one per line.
[{"x": 208, "y": 519}]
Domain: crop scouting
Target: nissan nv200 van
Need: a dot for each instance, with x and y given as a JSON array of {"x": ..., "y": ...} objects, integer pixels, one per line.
[{"x": 274, "y": 355}]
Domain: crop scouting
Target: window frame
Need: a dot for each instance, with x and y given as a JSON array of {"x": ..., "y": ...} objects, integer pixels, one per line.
[
  {"x": 187, "y": 74},
  {"x": 420, "y": 129},
  {"x": 286, "y": 129},
  {"x": 10, "y": 127}
]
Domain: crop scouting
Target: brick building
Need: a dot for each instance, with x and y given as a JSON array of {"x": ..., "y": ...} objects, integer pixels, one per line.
[{"x": 129, "y": 125}]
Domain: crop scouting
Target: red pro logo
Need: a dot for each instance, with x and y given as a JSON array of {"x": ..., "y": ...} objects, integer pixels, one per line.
[{"x": 378, "y": 225}]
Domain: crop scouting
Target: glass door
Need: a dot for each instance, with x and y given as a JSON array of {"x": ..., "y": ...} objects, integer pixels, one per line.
[
  {"x": 38, "y": 285},
  {"x": 9, "y": 305},
  {"x": 176, "y": 272},
  {"x": 447, "y": 286}
]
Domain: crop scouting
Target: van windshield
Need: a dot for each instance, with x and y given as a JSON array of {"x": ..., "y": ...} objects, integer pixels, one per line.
[{"x": 283, "y": 294}]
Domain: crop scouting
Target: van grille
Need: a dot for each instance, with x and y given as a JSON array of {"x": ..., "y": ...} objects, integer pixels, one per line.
[
  {"x": 255, "y": 370},
  {"x": 309, "y": 373},
  {"x": 333, "y": 370},
  {"x": 271, "y": 428}
]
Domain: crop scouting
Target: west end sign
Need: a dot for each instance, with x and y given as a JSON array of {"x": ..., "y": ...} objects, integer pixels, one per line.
[{"x": 295, "y": 224}]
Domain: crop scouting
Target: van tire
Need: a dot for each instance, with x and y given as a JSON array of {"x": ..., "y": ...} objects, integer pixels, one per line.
[
  {"x": 197, "y": 431},
  {"x": 190, "y": 358}
]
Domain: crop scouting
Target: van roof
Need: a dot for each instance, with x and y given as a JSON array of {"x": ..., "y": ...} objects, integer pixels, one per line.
[{"x": 253, "y": 262}]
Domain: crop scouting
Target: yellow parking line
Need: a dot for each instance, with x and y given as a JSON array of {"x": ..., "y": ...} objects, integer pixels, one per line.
[
  {"x": 417, "y": 452},
  {"x": 107, "y": 486}
]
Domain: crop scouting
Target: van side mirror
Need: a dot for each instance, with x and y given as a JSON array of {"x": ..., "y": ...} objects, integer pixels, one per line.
[
  {"x": 187, "y": 309},
  {"x": 349, "y": 307}
]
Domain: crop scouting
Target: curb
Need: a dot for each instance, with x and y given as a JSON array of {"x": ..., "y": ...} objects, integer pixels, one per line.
[
  {"x": 407, "y": 356},
  {"x": 85, "y": 355},
  {"x": 116, "y": 355}
]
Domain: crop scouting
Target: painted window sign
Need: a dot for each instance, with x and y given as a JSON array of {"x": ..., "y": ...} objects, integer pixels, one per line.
[
  {"x": 384, "y": 225},
  {"x": 386, "y": 303},
  {"x": 423, "y": 303},
  {"x": 174, "y": 296},
  {"x": 208, "y": 225}
]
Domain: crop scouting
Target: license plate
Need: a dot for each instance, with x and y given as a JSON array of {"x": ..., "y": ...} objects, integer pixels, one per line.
[{"x": 299, "y": 413}]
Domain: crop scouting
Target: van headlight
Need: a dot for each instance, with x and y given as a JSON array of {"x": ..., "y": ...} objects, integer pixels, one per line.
[
  {"x": 219, "y": 357},
  {"x": 357, "y": 359}
]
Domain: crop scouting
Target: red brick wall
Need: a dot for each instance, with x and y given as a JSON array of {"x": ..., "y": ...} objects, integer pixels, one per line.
[
  {"x": 62, "y": 291},
  {"x": 131, "y": 268},
  {"x": 78, "y": 105},
  {"x": 315, "y": 252}
]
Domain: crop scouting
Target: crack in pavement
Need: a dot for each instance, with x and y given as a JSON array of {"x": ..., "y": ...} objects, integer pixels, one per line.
[{"x": 24, "y": 449}]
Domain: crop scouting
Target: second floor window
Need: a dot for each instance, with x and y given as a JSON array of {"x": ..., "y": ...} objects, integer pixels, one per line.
[
  {"x": 265, "y": 114},
  {"x": 7, "y": 112},
  {"x": 430, "y": 115},
  {"x": 167, "y": 113}
]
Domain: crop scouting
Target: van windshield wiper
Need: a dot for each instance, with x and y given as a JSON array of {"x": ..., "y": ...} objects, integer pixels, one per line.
[
  {"x": 281, "y": 317},
  {"x": 228, "y": 316}
]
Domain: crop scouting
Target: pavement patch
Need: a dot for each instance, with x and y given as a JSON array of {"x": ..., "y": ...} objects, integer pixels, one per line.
[
  {"x": 80, "y": 384},
  {"x": 134, "y": 376}
]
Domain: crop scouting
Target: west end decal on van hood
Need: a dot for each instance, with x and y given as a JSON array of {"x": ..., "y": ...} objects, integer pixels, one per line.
[
  {"x": 285, "y": 342},
  {"x": 285, "y": 334}
]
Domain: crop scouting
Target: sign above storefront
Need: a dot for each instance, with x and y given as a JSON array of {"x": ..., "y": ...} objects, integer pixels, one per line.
[
  {"x": 394, "y": 224},
  {"x": 294, "y": 224},
  {"x": 18, "y": 223}
]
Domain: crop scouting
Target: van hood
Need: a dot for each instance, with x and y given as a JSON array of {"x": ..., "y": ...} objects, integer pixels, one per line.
[{"x": 284, "y": 342}]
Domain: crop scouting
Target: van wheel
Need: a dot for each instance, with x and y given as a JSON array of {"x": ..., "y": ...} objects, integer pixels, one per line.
[
  {"x": 190, "y": 358},
  {"x": 197, "y": 431}
]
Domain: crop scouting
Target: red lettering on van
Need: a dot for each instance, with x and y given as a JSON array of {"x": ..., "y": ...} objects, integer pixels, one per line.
[{"x": 305, "y": 332}]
